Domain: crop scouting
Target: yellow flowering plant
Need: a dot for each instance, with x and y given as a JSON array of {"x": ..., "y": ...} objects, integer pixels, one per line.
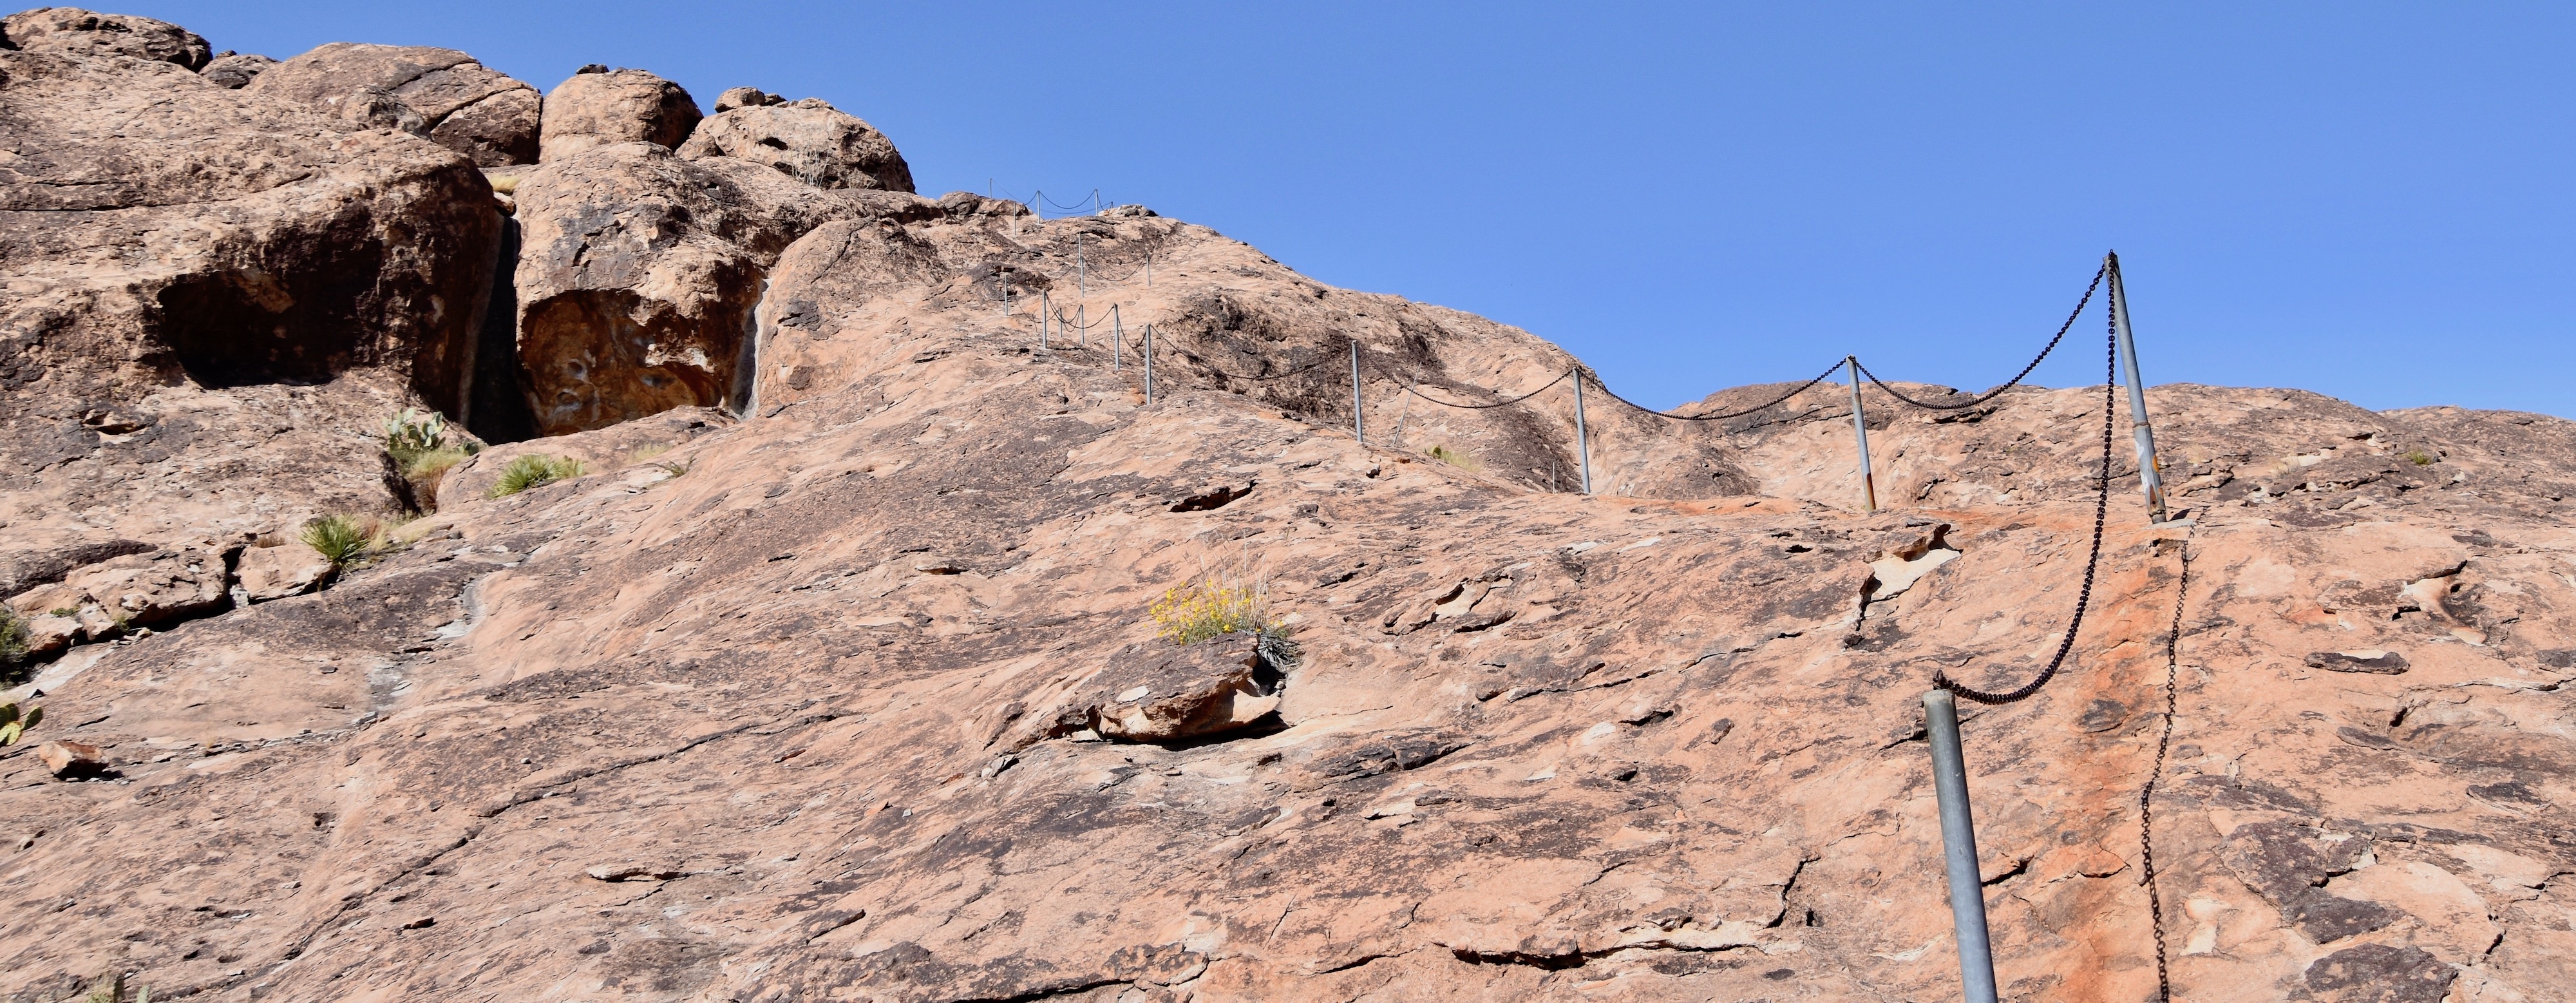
[{"x": 1221, "y": 602}]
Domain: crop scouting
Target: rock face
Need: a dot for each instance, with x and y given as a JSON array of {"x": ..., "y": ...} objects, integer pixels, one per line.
[
  {"x": 71, "y": 31},
  {"x": 214, "y": 302},
  {"x": 808, "y": 140},
  {"x": 802, "y": 704},
  {"x": 615, "y": 106},
  {"x": 489, "y": 118},
  {"x": 638, "y": 277}
]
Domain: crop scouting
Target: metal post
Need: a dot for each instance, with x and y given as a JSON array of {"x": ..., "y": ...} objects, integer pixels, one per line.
[
  {"x": 1149, "y": 363},
  {"x": 2150, "y": 473},
  {"x": 1356, "y": 434},
  {"x": 1117, "y": 337},
  {"x": 1582, "y": 442},
  {"x": 1959, "y": 846},
  {"x": 1082, "y": 321},
  {"x": 1860, "y": 430}
]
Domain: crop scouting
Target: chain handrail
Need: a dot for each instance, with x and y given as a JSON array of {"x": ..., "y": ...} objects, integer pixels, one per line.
[
  {"x": 1802, "y": 388},
  {"x": 2092, "y": 561},
  {"x": 2017, "y": 377}
]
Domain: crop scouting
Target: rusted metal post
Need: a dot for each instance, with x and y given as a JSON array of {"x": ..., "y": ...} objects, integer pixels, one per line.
[
  {"x": 2150, "y": 472},
  {"x": 1860, "y": 431}
]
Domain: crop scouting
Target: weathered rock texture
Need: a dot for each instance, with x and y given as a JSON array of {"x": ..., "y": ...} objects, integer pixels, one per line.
[
  {"x": 808, "y": 140},
  {"x": 857, "y": 697},
  {"x": 460, "y": 104},
  {"x": 615, "y": 106}
]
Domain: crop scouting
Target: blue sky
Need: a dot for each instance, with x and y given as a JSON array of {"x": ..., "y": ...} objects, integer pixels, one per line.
[{"x": 2368, "y": 200}]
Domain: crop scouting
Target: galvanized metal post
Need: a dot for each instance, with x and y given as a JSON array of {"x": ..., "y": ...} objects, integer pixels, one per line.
[
  {"x": 1860, "y": 431},
  {"x": 1082, "y": 322},
  {"x": 2150, "y": 473},
  {"x": 1046, "y": 309},
  {"x": 1582, "y": 441},
  {"x": 1149, "y": 363},
  {"x": 1356, "y": 434},
  {"x": 1117, "y": 337},
  {"x": 1959, "y": 846}
]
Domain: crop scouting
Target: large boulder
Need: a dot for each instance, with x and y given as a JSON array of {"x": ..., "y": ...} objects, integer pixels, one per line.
[
  {"x": 462, "y": 105},
  {"x": 599, "y": 106},
  {"x": 214, "y": 302},
  {"x": 808, "y": 140},
  {"x": 639, "y": 274},
  {"x": 235, "y": 70},
  {"x": 71, "y": 31}
]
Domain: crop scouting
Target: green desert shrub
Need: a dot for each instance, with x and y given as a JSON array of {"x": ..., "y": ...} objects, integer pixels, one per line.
[
  {"x": 2419, "y": 457},
  {"x": 531, "y": 471},
  {"x": 424, "y": 449}
]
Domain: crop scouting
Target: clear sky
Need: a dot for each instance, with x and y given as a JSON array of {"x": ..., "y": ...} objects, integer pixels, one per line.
[{"x": 2369, "y": 200}]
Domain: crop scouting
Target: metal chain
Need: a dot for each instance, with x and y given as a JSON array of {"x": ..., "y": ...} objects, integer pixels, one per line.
[
  {"x": 2092, "y": 562},
  {"x": 2017, "y": 377},
  {"x": 2146, "y": 798},
  {"x": 1802, "y": 388}
]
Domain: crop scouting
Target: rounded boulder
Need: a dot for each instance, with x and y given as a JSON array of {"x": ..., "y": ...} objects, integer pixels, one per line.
[
  {"x": 808, "y": 140},
  {"x": 615, "y": 106}
]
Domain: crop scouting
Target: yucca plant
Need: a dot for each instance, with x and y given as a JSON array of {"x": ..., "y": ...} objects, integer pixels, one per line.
[
  {"x": 531, "y": 471},
  {"x": 340, "y": 539}
]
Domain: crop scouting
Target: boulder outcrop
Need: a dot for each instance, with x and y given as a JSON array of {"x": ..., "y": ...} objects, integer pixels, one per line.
[
  {"x": 214, "y": 302},
  {"x": 808, "y": 140},
  {"x": 459, "y": 103},
  {"x": 602, "y": 106},
  {"x": 638, "y": 276},
  {"x": 71, "y": 31}
]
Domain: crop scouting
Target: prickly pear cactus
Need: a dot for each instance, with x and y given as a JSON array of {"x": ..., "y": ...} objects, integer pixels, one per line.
[{"x": 12, "y": 726}]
